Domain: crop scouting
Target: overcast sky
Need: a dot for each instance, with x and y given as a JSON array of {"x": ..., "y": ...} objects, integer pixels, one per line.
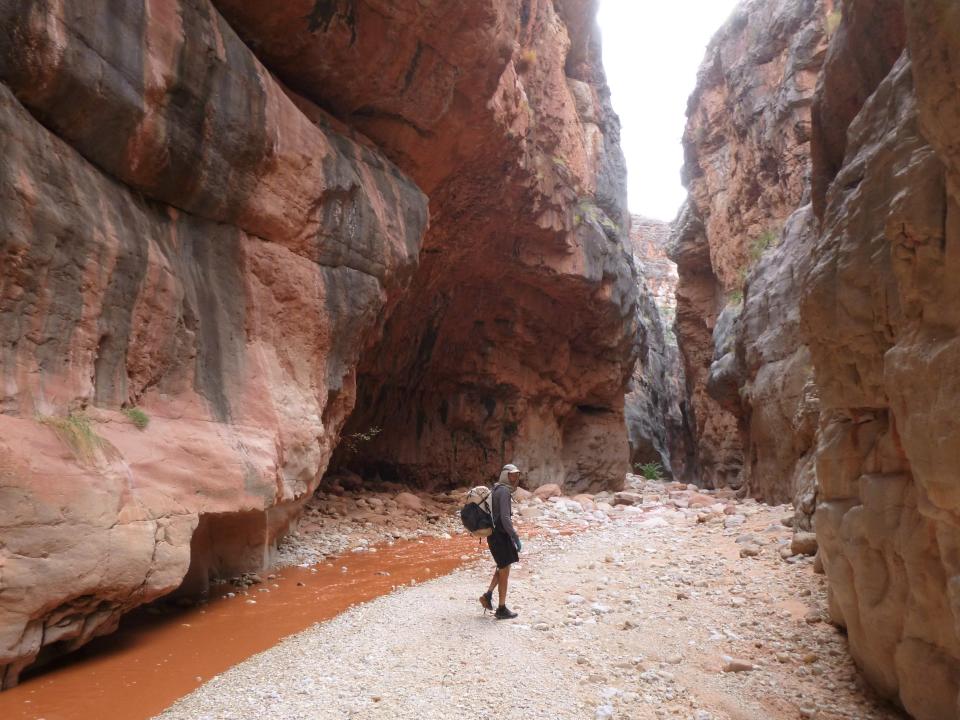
[{"x": 651, "y": 52}]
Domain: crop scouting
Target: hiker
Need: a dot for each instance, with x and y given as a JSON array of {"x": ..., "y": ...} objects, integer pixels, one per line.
[{"x": 504, "y": 543}]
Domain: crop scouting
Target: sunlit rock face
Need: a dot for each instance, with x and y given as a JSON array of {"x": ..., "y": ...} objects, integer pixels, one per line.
[
  {"x": 657, "y": 423},
  {"x": 881, "y": 314},
  {"x": 519, "y": 332},
  {"x": 746, "y": 168},
  {"x": 221, "y": 220}
]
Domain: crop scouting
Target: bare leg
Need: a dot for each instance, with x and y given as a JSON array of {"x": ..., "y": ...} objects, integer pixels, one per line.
[
  {"x": 493, "y": 582},
  {"x": 503, "y": 576}
]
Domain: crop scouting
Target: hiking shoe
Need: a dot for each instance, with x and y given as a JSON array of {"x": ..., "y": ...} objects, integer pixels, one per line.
[
  {"x": 487, "y": 600},
  {"x": 504, "y": 613}
]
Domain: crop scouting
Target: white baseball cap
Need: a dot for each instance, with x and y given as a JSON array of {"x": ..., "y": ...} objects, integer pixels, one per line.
[{"x": 510, "y": 469}]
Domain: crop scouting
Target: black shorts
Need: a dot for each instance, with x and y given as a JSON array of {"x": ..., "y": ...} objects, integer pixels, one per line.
[{"x": 502, "y": 548}]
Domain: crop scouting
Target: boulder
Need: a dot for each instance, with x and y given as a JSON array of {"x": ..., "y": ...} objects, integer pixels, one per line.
[
  {"x": 804, "y": 543},
  {"x": 409, "y": 501},
  {"x": 544, "y": 492}
]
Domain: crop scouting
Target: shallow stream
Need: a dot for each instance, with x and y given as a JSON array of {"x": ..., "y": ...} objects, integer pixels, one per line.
[{"x": 154, "y": 659}]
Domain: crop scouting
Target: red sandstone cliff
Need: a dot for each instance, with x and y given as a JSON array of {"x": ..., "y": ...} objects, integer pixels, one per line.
[
  {"x": 842, "y": 365},
  {"x": 518, "y": 333},
  {"x": 746, "y": 168},
  {"x": 881, "y": 314},
  {"x": 247, "y": 264}
]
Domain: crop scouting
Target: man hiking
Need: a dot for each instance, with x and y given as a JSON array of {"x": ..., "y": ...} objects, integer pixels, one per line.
[{"x": 504, "y": 543}]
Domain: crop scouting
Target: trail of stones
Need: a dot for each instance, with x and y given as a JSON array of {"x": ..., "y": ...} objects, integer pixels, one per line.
[{"x": 630, "y": 618}]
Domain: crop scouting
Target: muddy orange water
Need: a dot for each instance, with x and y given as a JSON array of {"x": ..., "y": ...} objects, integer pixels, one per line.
[{"x": 153, "y": 660}]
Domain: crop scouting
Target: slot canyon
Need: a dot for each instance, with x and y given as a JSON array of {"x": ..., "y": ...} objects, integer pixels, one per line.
[{"x": 275, "y": 273}]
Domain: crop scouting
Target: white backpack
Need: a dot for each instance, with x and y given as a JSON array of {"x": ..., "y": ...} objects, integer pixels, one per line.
[{"x": 477, "y": 512}]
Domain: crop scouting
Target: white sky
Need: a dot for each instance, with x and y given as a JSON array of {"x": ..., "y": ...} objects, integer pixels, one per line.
[{"x": 651, "y": 52}]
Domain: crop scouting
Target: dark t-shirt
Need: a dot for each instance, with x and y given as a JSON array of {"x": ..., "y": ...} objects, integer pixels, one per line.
[{"x": 500, "y": 505}]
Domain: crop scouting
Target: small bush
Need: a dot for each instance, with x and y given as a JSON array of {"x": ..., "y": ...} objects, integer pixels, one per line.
[
  {"x": 767, "y": 239},
  {"x": 736, "y": 297},
  {"x": 651, "y": 471},
  {"x": 77, "y": 433},
  {"x": 351, "y": 443},
  {"x": 526, "y": 60},
  {"x": 138, "y": 417},
  {"x": 833, "y": 21}
]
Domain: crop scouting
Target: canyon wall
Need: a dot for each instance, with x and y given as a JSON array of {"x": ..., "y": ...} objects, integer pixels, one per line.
[
  {"x": 746, "y": 167},
  {"x": 520, "y": 329},
  {"x": 840, "y": 365},
  {"x": 658, "y": 425},
  {"x": 215, "y": 247},
  {"x": 881, "y": 314}
]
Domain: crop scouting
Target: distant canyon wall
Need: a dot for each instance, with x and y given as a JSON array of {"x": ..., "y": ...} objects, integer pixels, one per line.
[{"x": 657, "y": 412}]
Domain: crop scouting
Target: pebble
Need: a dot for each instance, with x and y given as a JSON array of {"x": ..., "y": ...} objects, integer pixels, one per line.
[{"x": 735, "y": 665}]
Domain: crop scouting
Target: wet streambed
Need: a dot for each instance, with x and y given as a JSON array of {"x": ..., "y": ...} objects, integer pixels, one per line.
[{"x": 155, "y": 659}]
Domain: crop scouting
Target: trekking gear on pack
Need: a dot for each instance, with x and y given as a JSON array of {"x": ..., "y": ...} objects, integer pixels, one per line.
[{"x": 476, "y": 514}]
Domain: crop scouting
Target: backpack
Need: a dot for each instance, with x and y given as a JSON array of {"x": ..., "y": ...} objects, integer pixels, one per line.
[{"x": 476, "y": 514}]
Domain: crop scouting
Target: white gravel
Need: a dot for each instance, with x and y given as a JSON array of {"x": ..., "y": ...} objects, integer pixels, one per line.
[{"x": 630, "y": 619}]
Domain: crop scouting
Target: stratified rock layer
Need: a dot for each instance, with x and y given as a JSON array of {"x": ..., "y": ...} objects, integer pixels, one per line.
[
  {"x": 519, "y": 332},
  {"x": 881, "y": 313},
  {"x": 185, "y": 234},
  {"x": 656, "y": 413},
  {"x": 746, "y": 168},
  {"x": 178, "y": 235}
]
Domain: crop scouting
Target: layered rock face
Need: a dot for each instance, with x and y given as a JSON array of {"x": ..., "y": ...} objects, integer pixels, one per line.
[
  {"x": 186, "y": 235},
  {"x": 658, "y": 426},
  {"x": 842, "y": 366},
  {"x": 746, "y": 148},
  {"x": 173, "y": 238},
  {"x": 881, "y": 313},
  {"x": 520, "y": 330}
]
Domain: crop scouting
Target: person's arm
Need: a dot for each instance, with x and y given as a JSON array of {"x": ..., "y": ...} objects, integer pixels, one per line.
[{"x": 503, "y": 518}]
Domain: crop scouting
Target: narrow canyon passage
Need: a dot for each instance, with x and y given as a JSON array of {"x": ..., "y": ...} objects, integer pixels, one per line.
[{"x": 283, "y": 281}]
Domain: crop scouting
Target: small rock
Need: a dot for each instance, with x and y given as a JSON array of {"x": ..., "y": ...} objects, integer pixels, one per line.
[
  {"x": 804, "y": 543},
  {"x": 604, "y": 712},
  {"x": 731, "y": 664}
]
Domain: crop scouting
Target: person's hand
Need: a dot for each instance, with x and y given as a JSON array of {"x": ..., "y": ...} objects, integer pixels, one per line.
[{"x": 518, "y": 544}]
